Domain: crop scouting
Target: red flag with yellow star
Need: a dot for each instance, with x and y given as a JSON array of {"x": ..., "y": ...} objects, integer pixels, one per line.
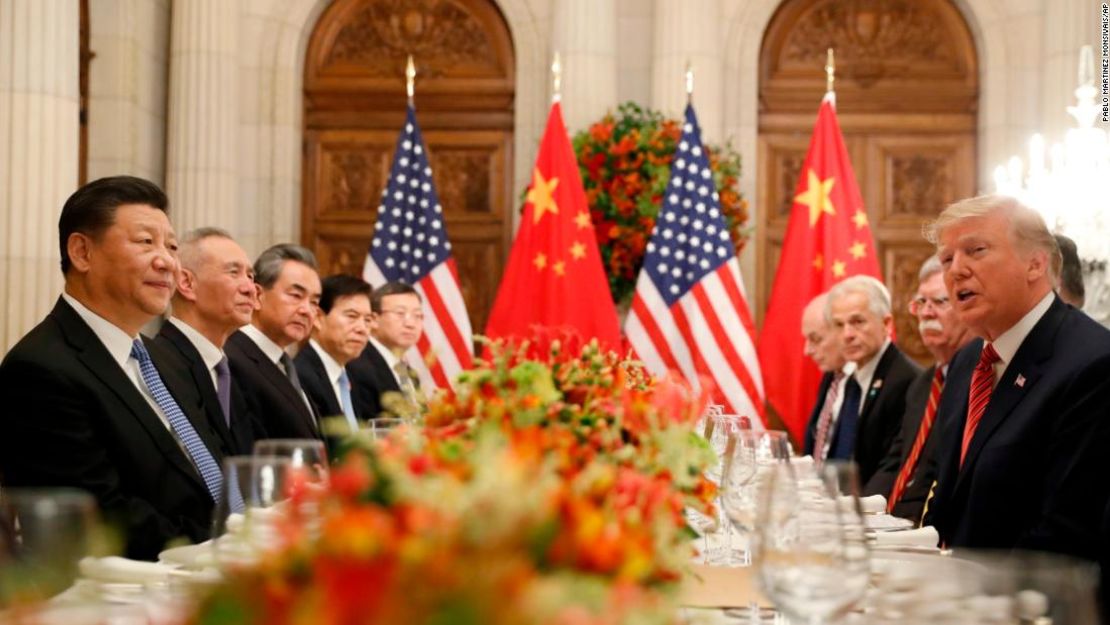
[
  {"x": 827, "y": 238},
  {"x": 554, "y": 278}
]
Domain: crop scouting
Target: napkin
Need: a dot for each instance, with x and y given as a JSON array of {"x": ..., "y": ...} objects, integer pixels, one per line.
[
  {"x": 926, "y": 537},
  {"x": 875, "y": 504},
  {"x": 114, "y": 569}
]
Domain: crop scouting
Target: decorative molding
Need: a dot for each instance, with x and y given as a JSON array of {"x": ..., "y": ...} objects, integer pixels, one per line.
[
  {"x": 462, "y": 179},
  {"x": 353, "y": 180},
  {"x": 920, "y": 184},
  {"x": 873, "y": 39}
]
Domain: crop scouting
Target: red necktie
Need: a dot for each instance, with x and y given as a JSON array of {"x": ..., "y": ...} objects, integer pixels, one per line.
[
  {"x": 824, "y": 421},
  {"x": 982, "y": 385},
  {"x": 927, "y": 420}
]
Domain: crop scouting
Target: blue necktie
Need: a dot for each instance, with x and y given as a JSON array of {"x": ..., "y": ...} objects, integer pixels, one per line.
[
  {"x": 202, "y": 458},
  {"x": 345, "y": 400},
  {"x": 847, "y": 421}
]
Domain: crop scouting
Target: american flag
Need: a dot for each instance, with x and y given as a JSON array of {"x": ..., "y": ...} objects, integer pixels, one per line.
[
  {"x": 689, "y": 313},
  {"x": 410, "y": 245}
]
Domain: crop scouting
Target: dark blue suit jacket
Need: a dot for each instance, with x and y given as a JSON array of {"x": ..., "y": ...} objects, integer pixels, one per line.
[{"x": 1037, "y": 472}]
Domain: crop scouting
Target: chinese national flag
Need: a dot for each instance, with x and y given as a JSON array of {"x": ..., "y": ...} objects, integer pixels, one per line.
[
  {"x": 827, "y": 238},
  {"x": 554, "y": 278}
]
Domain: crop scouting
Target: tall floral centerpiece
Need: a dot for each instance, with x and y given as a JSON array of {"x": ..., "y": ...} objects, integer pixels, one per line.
[
  {"x": 546, "y": 488},
  {"x": 625, "y": 162}
]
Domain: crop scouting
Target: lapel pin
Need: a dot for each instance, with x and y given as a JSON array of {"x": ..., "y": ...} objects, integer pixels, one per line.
[
  {"x": 877, "y": 384},
  {"x": 1020, "y": 381}
]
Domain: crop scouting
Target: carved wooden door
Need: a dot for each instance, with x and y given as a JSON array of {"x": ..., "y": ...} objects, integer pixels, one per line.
[
  {"x": 354, "y": 110},
  {"x": 907, "y": 94}
]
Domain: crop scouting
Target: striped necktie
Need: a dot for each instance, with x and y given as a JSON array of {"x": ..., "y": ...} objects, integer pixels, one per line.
[
  {"x": 982, "y": 386},
  {"x": 824, "y": 420},
  {"x": 206, "y": 464},
  {"x": 910, "y": 465}
]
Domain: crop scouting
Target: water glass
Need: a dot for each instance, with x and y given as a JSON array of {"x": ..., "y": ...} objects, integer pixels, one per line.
[
  {"x": 43, "y": 534},
  {"x": 305, "y": 453},
  {"x": 744, "y": 473},
  {"x": 810, "y": 545},
  {"x": 259, "y": 492},
  {"x": 380, "y": 428}
]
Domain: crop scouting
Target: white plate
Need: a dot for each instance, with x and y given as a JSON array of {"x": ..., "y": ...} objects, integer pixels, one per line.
[
  {"x": 886, "y": 522},
  {"x": 190, "y": 556}
]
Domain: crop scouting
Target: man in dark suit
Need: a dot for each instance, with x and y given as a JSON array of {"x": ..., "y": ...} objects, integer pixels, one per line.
[
  {"x": 215, "y": 297},
  {"x": 288, "y": 293},
  {"x": 874, "y": 400},
  {"x": 908, "y": 470},
  {"x": 1023, "y": 460},
  {"x": 87, "y": 403},
  {"x": 340, "y": 334},
  {"x": 397, "y": 321},
  {"x": 822, "y": 345}
]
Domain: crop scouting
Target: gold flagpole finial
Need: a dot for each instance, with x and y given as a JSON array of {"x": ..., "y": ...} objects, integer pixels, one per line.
[
  {"x": 410, "y": 78},
  {"x": 556, "y": 78},
  {"x": 689, "y": 82},
  {"x": 830, "y": 71}
]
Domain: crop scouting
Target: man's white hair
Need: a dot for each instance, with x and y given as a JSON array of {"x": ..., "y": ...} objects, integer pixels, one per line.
[{"x": 878, "y": 297}]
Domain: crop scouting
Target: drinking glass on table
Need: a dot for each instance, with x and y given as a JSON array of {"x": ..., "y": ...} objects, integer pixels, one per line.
[
  {"x": 257, "y": 496},
  {"x": 380, "y": 428},
  {"x": 307, "y": 453},
  {"x": 744, "y": 473},
  {"x": 810, "y": 548},
  {"x": 44, "y": 533}
]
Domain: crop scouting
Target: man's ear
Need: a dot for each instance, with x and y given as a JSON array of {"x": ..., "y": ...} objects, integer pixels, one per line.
[
  {"x": 318, "y": 319},
  {"x": 1037, "y": 265},
  {"x": 79, "y": 248},
  {"x": 888, "y": 323},
  {"x": 187, "y": 284}
]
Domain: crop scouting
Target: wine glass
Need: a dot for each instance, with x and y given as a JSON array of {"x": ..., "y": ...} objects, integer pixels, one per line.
[
  {"x": 720, "y": 430},
  {"x": 255, "y": 498},
  {"x": 745, "y": 470},
  {"x": 380, "y": 428},
  {"x": 810, "y": 546},
  {"x": 44, "y": 533},
  {"x": 307, "y": 453}
]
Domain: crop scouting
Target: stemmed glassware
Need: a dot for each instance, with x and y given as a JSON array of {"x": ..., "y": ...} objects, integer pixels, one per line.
[
  {"x": 305, "y": 453},
  {"x": 745, "y": 469},
  {"x": 810, "y": 545},
  {"x": 258, "y": 492},
  {"x": 44, "y": 533}
]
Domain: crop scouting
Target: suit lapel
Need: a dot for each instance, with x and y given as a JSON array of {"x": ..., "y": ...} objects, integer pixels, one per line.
[
  {"x": 872, "y": 393},
  {"x": 1008, "y": 393},
  {"x": 94, "y": 356},
  {"x": 319, "y": 373},
  {"x": 274, "y": 376},
  {"x": 201, "y": 378}
]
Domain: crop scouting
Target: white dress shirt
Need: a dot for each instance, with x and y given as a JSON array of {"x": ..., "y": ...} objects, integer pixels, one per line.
[
  {"x": 1009, "y": 341},
  {"x": 331, "y": 367},
  {"x": 864, "y": 375},
  {"x": 209, "y": 353}
]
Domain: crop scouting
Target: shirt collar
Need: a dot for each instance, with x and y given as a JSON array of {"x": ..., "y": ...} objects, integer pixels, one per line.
[
  {"x": 115, "y": 340},
  {"x": 272, "y": 350},
  {"x": 866, "y": 372},
  {"x": 209, "y": 353},
  {"x": 333, "y": 368},
  {"x": 387, "y": 354},
  {"x": 1009, "y": 341}
]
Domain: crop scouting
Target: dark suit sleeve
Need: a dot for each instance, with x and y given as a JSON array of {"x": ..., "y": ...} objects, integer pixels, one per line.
[
  {"x": 1075, "y": 485},
  {"x": 882, "y": 482},
  {"x": 53, "y": 442}
]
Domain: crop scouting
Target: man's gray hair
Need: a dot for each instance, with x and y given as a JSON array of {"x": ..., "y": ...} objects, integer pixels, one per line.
[
  {"x": 878, "y": 297},
  {"x": 929, "y": 267},
  {"x": 188, "y": 251},
  {"x": 268, "y": 266},
  {"x": 1027, "y": 227}
]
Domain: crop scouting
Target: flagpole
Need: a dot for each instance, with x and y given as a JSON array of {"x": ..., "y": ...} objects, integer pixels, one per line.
[
  {"x": 410, "y": 79},
  {"x": 556, "y": 78},
  {"x": 689, "y": 83},
  {"x": 830, "y": 75}
]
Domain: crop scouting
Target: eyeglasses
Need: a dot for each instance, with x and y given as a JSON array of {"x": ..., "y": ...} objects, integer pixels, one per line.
[
  {"x": 918, "y": 304},
  {"x": 406, "y": 315}
]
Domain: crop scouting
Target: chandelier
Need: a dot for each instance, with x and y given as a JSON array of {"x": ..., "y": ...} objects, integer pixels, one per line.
[{"x": 1069, "y": 185}]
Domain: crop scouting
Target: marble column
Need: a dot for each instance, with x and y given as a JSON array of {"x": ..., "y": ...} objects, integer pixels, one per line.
[
  {"x": 38, "y": 154},
  {"x": 1068, "y": 26},
  {"x": 689, "y": 31},
  {"x": 201, "y": 175},
  {"x": 586, "y": 38}
]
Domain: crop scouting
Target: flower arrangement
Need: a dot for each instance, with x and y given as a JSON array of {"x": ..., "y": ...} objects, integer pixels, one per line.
[
  {"x": 540, "y": 490},
  {"x": 625, "y": 161}
]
